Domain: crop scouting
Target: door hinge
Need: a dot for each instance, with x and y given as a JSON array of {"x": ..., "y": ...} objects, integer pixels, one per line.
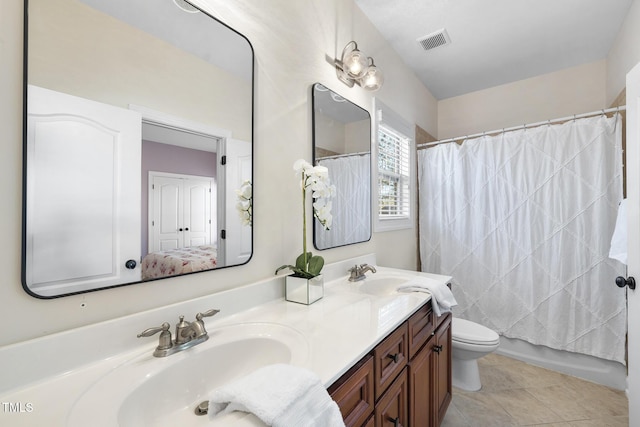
[
  {"x": 223, "y": 160},
  {"x": 223, "y": 234},
  {"x": 153, "y": 223}
]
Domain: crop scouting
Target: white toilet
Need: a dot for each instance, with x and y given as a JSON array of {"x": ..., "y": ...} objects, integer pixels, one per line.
[{"x": 469, "y": 341}]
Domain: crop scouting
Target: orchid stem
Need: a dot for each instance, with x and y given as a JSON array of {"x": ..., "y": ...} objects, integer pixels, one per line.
[{"x": 304, "y": 220}]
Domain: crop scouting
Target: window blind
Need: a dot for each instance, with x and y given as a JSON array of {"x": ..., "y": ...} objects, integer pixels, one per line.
[{"x": 393, "y": 173}]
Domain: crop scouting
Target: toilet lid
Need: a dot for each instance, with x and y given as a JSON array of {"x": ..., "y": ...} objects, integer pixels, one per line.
[{"x": 470, "y": 332}]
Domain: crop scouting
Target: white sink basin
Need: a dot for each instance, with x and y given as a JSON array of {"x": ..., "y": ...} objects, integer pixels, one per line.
[
  {"x": 150, "y": 391},
  {"x": 385, "y": 285},
  {"x": 378, "y": 284}
]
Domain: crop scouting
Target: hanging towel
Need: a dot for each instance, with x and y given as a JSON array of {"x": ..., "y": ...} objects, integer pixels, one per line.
[
  {"x": 280, "y": 395},
  {"x": 441, "y": 297},
  {"x": 619, "y": 239}
]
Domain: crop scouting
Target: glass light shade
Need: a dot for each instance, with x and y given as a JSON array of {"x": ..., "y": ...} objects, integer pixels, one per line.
[
  {"x": 355, "y": 64},
  {"x": 372, "y": 79}
]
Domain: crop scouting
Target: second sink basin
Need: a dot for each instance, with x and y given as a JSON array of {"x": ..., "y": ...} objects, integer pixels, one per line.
[
  {"x": 149, "y": 391},
  {"x": 384, "y": 285}
]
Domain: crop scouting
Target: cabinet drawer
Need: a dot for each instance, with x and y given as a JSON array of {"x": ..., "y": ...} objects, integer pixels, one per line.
[
  {"x": 393, "y": 408},
  {"x": 353, "y": 393},
  {"x": 390, "y": 357},
  {"x": 421, "y": 328}
]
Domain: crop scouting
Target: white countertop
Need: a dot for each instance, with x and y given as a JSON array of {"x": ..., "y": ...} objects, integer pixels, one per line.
[{"x": 339, "y": 329}]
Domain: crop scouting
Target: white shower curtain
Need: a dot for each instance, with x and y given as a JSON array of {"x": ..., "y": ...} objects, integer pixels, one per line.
[
  {"x": 523, "y": 221},
  {"x": 351, "y": 207}
]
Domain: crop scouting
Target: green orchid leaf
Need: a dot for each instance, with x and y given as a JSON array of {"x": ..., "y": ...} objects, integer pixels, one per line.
[
  {"x": 291, "y": 267},
  {"x": 315, "y": 265},
  {"x": 300, "y": 264}
]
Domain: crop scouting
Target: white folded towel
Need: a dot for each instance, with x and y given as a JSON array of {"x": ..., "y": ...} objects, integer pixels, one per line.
[
  {"x": 280, "y": 395},
  {"x": 442, "y": 298},
  {"x": 618, "y": 248}
]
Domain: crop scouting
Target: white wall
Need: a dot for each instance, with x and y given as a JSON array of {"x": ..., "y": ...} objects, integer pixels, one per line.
[
  {"x": 563, "y": 93},
  {"x": 290, "y": 40}
]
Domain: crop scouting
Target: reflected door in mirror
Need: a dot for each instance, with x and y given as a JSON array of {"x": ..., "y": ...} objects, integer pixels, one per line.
[{"x": 82, "y": 213}]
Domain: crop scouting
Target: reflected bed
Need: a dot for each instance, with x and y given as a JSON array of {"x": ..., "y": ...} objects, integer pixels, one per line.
[{"x": 178, "y": 261}]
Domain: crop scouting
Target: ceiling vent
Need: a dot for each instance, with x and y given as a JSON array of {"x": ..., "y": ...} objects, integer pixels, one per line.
[{"x": 434, "y": 40}]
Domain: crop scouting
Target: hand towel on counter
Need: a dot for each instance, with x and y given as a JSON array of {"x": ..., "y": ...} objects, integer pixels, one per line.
[
  {"x": 441, "y": 297},
  {"x": 280, "y": 395}
]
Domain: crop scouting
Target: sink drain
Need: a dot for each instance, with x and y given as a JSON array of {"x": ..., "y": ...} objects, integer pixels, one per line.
[{"x": 202, "y": 408}]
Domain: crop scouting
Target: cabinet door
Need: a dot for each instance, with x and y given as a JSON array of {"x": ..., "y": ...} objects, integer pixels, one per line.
[
  {"x": 420, "y": 387},
  {"x": 371, "y": 422},
  {"x": 442, "y": 369},
  {"x": 353, "y": 393},
  {"x": 392, "y": 410}
]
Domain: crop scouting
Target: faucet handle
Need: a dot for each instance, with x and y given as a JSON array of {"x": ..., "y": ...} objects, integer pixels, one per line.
[
  {"x": 208, "y": 313},
  {"x": 165, "y": 335},
  {"x": 198, "y": 326},
  {"x": 152, "y": 331}
]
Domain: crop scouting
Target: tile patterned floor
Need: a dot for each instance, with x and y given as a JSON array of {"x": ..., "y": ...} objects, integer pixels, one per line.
[{"x": 518, "y": 394}]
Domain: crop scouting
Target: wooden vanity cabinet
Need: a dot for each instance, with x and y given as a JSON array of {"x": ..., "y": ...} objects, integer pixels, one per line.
[{"x": 405, "y": 381}]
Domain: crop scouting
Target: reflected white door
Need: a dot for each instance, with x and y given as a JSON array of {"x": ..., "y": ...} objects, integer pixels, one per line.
[
  {"x": 237, "y": 170},
  {"x": 83, "y": 186},
  {"x": 180, "y": 211},
  {"x": 198, "y": 211},
  {"x": 166, "y": 214},
  {"x": 633, "y": 219}
]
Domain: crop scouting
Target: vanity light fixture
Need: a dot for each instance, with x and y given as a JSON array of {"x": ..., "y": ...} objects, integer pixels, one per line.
[{"x": 355, "y": 67}]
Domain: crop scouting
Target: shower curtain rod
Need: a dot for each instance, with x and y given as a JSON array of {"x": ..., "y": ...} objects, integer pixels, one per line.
[
  {"x": 547, "y": 122},
  {"x": 362, "y": 153}
]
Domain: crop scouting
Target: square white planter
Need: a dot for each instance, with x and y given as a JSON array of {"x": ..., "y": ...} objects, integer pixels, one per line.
[{"x": 304, "y": 291}]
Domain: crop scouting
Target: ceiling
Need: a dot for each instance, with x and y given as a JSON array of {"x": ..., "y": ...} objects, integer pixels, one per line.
[{"x": 495, "y": 42}]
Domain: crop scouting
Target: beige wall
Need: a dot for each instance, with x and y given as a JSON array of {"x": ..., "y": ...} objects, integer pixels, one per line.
[
  {"x": 624, "y": 54},
  {"x": 563, "y": 93},
  {"x": 290, "y": 39},
  {"x": 190, "y": 88},
  {"x": 576, "y": 90}
]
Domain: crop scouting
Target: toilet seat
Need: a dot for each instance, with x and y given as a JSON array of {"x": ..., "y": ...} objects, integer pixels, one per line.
[{"x": 465, "y": 331}]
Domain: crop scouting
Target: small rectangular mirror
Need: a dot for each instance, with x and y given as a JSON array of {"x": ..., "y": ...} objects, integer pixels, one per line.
[{"x": 342, "y": 143}]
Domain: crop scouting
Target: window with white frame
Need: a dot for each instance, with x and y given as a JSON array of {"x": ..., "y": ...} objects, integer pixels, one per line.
[{"x": 394, "y": 147}]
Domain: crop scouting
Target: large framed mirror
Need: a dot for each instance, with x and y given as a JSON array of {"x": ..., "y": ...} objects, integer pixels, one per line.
[
  {"x": 342, "y": 143},
  {"x": 137, "y": 144}
]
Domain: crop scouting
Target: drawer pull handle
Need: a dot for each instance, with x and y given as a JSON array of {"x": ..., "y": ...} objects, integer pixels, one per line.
[
  {"x": 395, "y": 357},
  {"x": 395, "y": 421},
  {"x": 437, "y": 348}
]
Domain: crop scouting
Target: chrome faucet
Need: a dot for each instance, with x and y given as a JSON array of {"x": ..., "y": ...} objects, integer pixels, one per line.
[
  {"x": 357, "y": 272},
  {"x": 188, "y": 334}
]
